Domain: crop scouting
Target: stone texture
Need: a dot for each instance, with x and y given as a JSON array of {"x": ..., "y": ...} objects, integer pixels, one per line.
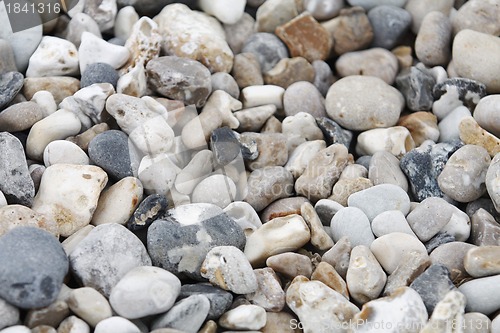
[
  {"x": 59, "y": 86},
  {"x": 268, "y": 184},
  {"x": 272, "y": 149},
  {"x": 416, "y": 85},
  {"x": 89, "y": 304},
  {"x": 288, "y": 71},
  {"x": 384, "y": 169},
  {"x": 268, "y": 49},
  {"x": 433, "y": 42},
  {"x": 485, "y": 230},
  {"x": 389, "y": 23},
  {"x": 351, "y": 222},
  {"x": 412, "y": 265},
  {"x": 380, "y": 198},
  {"x": 246, "y": 70},
  {"x": 422, "y": 126},
  {"x": 482, "y": 16},
  {"x": 472, "y": 134},
  {"x": 452, "y": 256},
  {"x": 13, "y": 216},
  {"x": 269, "y": 293}
]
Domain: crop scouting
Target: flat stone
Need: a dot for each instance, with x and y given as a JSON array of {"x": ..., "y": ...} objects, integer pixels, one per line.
[
  {"x": 288, "y": 71},
  {"x": 384, "y": 169},
  {"x": 269, "y": 293},
  {"x": 389, "y": 23},
  {"x": 90, "y": 305},
  {"x": 485, "y": 230},
  {"x": 268, "y": 49},
  {"x": 277, "y": 236},
  {"x": 377, "y": 62},
  {"x": 34, "y": 265},
  {"x": 268, "y": 184},
  {"x": 225, "y": 145},
  {"x": 452, "y": 256},
  {"x": 186, "y": 315},
  {"x": 108, "y": 252},
  {"x": 272, "y": 148},
  {"x": 10, "y": 84},
  {"x": 354, "y": 224},
  {"x": 15, "y": 181},
  {"x": 344, "y": 95},
  {"x": 482, "y": 295},
  {"x": 422, "y": 126},
  {"x": 59, "y": 86},
  {"x": 416, "y": 86},
  {"x": 246, "y": 70},
  {"x": 482, "y": 261},
  {"x": 220, "y": 300},
  {"x": 303, "y": 96},
  {"x": 365, "y": 277},
  {"x": 290, "y": 264},
  {"x": 433, "y": 42},
  {"x": 20, "y": 116},
  {"x": 412, "y": 265}
]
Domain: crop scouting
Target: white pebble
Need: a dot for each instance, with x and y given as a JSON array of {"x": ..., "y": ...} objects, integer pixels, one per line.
[
  {"x": 116, "y": 324},
  {"x": 227, "y": 11},
  {"x": 90, "y": 305},
  {"x": 219, "y": 190},
  {"x": 157, "y": 173},
  {"x": 262, "y": 95},
  {"x": 448, "y": 126},
  {"x": 244, "y": 317},
  {"x": 94, "y": 49},
  {"x": 396, "y": 140},
  {"x": 245, "y": 215},
  {"x": 391, "y": 221},
  {"x": 125, "y": 20},
  {"x": 62, "y": 151},
  {"x": 53, "y": 57},
  {"x": 46, "y": 101}
]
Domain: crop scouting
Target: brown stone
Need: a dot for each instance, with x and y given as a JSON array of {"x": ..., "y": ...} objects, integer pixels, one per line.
[
  {"x": 282, "y": 207},
  {"x": 52, "y": 315},
  {"x": 305, "y": 37},
  {"x": 404, "y": 55},
  {"x": 83, "y": 140},
  {"x": 319, "y": 237},
  {"x": 209, "y": 327},
  {"x": 280, "y": 322},
  {"x": 350, "y": 31},
  {"x": 246, "y": 70},
  {"x": 472, "y": 134},
  {"x": 20, "y": 117},
  {"x": 288, "y": 71},
  {"x": 344, "y": 187},
  {"x": 422, "y": 126},
  {"x": 325, "y": 273},
  {"x": 59, "y": 86}
]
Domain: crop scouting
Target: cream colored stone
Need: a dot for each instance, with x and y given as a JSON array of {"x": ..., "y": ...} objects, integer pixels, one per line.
[
  {"x": 13, "y": 216},
  {"x": 319, "y": 237},
  {"x": 90, "y": 305},
  {"x": 396, "y": 140},
  {"x": 269, "y": 293}
]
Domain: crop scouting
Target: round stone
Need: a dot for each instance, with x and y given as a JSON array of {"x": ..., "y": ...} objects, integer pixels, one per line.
[
  {"x": 363, "y": 102},
  {"x": 352, "y": 222},
  {"x": 63, "y": 151},
  {"x": 303, "y": 96},
  {"x": 220, "y": 300},
  {"x": 116, "y": 324},
  {"x": 219, "y": 190},
  {"x": 99, "y": 72},
  {"x": 487, "y": 113},
  {"x": 432, "y": 45},
  {"x": 34, "y": 265},
  {"x": 389, "y": 24},
  {"x": 224, "y": 81},
  {"x": 324, "y": 9}
]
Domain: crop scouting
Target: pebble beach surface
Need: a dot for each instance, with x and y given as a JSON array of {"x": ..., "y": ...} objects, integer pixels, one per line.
[{"x": 274, "y": 166}]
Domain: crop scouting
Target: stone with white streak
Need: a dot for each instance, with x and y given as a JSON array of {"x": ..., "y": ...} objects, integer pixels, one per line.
[
  {"x": 94, "y": 49},
  {"x": 319, "y": 237},
  {"x": 63, "y": 151},
  {"x": 397, "y": 140},
  {"x": 69, "y": 194},
  {"x": 54, "y": 56}
]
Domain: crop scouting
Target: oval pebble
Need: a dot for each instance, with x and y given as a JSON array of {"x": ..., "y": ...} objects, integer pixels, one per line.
[
  {"x": 352, "y": 222},
  {"x": 62, "y": 151}
]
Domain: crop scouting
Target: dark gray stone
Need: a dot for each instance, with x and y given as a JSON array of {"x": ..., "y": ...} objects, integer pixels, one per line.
[
  {"x": 438, "y": 240},
  {"x": 187, "y": 315},
  {"x": 151, "y": 7},
  {"x": 326, "y": 209},
  {"x": 268, "y": 49},
  {"x": 486, "y": 204},
  {"x": 416, "y": 86},
  {"x": 112, "y": 151},
  {"x": 225, "y": 145},
  {"x": 220, "y": 300},
  {"x": 180, "y": 79},
  {"x": 15, "y": 180},
  {"x": 433, "y": 285},
  {"x": 33, "y": 266},
  {"x": 10, "y": 84},
  {"x": 180, "y": 241},
  {"x": 469, "y": 91},
  {"x": 150, "y": 209},
  {"x": 333, "y": 132},
  {"x": 389, "y": 24},
  {"x": 105, "y": 255},
  {"x": 249, "y": 147},
  {"x": 364, "y": 161},
  {"x": 423, "y": 165},
  {"x": 99, "y": 73},
  {"x": 323, "y": 76}
]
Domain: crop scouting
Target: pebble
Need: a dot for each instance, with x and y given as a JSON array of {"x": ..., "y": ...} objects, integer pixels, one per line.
[
  {"x": 323, "y": 10},
  {"x": 365, "y": 277},
  {"x": 326, "y": 209},
  {"x": 350, "y": 31},
  {"x": 288, "y": 71},
  {"x": 16, "y": 184},
  {"x": 7, "y": 62},
  {"x": 192, "y": 83},
  {"x": 323, "y": 76},
  {"x": 221, "y": 187},
  {"x": 325, "y": 273},
  {"x": 377, "y": 62},
  {"x": 486, "y": 112},
  {"x": 267, "y": 19},
  {"x": 333, "y": 132},
  {"x": 125, "y": 20},
  {"x": 449, "y": 125},
  {"x": 429, "y": 217},
  {"x": 369, "y": 4},
  {"x": 389, "y": 249},
  {"x": 145, "y": 291},
  {"x": 389, "y": 23},
  {"x": 59, "y": 86},
  {"x": 181, "y": 242},
  {"x": 62, "y": 151},
  {"x": 304, "y": 97},
  {"x": 471, "y": 63},
  {"x": 422, "y": 126},
  {"x": 463, "y": 176},
  {"x": 227, "y": 267},
  {"x": 433, "y": 42},
  {"x": 17, "y": 329},
  {"x": 412, "y": 265},
  {"x": 291, "y": 264},
  {"x": 99, "y": 72},
  {"x": 90, "y": 305},
  {"x": 54, "y": 56},
  {"x": 186, "y": 315},
  {"x": 79, "y": 23},
  {"x": 20, "y": 116},
  {"x": 268, "y": 49},
  {"x": 157, "y": 174},
  {"x": 237, "y": 33},
  {"x": 253, "y": 119},
  {"x": 449, "y": 310},
  {"x": 73, "y": 324},
  {"x": 10, "y": 84},
  {"x": 476, "y": 322},
  {"x": 94, "y": 49},
  {"x": 195, "y": 171},
  {"x": 390, "y": 221},
  {"x": 482, "y": 295},
  {"x": 116, "y": 323},
  {"x": 472, "y": 134},
  {"x": 477, "y": 15},
  {"x": 438, "y": 240},
  {"x": 482, "y": 261},
  {"x": 263, "y": 95},
  {"x": 380, "y": 198},
  {"x": 34, "y": 265},
  {"x": 455, "y": 92},
  {"x": 423, "y": 165},
  {"x": 13, "y": 216},
  {"x": 269, "y": 294},
  {"x": 206, "y": 42},
  {"x": 353, "y": 223},
  {"x": 220, "y": 300},
  {"x": 10, "y": 314},
  {"x": 397, "y": 140},
  {"x": 380, "y": 106},
  {"x": 103, "y": 151},
  {"x": 272, "y": 125},
  {"x": 23, "y": 42},
  {"x": 452, "y": 256},
  {"x": 226, "y": 12},
  {"x": 246, "y": 70},
  {"x": 282, "y": 207},
  {"x": 267, "y": 184},
  {"x": 311, "y": 300},
  {"x": 277, "y": 321},
  {"x": 103, "y": 13},
  {"x": 94, "y": 261},
  {"x": 322, "y": 171},
  {"x": 384, "y": 169},
  {"x": 416, "y": 86},
  {"x": 244, "y": 317},
  {"x": 45, "y": 100},
  {"x": 225, "y": 145},
  {"x": 277, "y": 236},
  {"x": 319, "y": 237},
  {"x": 485, "y": 230},
  {"x": 300, "y": 128},
  {"x": 419, "y": 9},
  {"x": 388, "y": 310},
  {"x": 224, "y": 81}
]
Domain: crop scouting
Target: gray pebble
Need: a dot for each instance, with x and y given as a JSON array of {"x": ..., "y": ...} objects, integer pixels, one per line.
[
  {"x": 389, "y": 24},
  {"x": 186, "y": 315},
  {"x": 416, "y": 86},
  {"x": 220, "y": 300},
  {"x": 10, "y": 84},
  {"x": 469, "y": 91},
  {"x": 333, "y": 132},
  {"x": 432, "y": 45},
  {"x": 224, "y": 81},
  {"x": 7, "y": 62},
  {"x": 369, "y": 4},
  {"x": 99, "y": 73},
  {"x": 365, "y": 161},
  {"x": 268, "y": 49},
  {"x": 323, "y": 76},
  {"x": 351, "y": 222},
  {"x": 268, "y": 184},
  {"x": 438, "y": 240},
  {"x": 34, "y": 265},
  {"x": 485, "y": 231},
  {"x": 303, "y": 96},
  {"x": 429, "y": 217}
]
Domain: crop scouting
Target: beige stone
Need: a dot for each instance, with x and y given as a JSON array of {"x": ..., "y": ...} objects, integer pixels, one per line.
[
  {"x": 412, "y": 264},
  {"x": 269, "y": 293},
  {"x": 339, "y": 256},
  {"x": 325, "y": 273},
  {"x": 422, "y": 126},
  {"x": 483, "y": 261},
  {"x": 288, "y": 71},
  {"x": 59, "y": 86},
  {"x": 291, "y": 264},
  {"x": 246, "y": 70},
  {"x": 472, "y": 134},
  {"x": 319, "y": 237},
  {"x": 12, "y": 216}
]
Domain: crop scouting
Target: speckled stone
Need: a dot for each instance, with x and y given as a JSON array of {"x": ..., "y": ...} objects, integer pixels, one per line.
[
  {"x": 290, "y": 264},
  {"x": 268, "y": 49},
  {"x": 303, "y": 96},
  {"x": 433, "y": 42},
  {"x": 288, "y": 71},
  {"x": 389, "y": 24},
  {"x": 454, "y": 92},
  {"x": 416, "y": 86},
  {"x": 485, "y": 229},
  {"x": 472, "y": 134},
  {"x": 246, "y": 70},
  {"x": 268, "y": 184},
  {"x": 412, "y": 265},
  {"x": 10, "y": 84},
  {"x": 269, "y": 293},
  {"x": 338, "y": 256},
  {"x": 272, "y": 148}
]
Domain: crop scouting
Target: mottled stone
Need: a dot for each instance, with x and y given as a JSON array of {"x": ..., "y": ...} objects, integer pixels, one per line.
[
  {"x": 454, "y": 92},
  {"x": 416, "y": 85},
  {"x": 10, "y": 84},
  {"x": 13, "y": 216},
  {"x": 220, "y": 300},
  {"x": 187, "y": 315},
  {"x": 472, "y": 134},
  {"x": 412, "y": 265},
  {"x": 390, "y": 24},
  {"x": 268, "y": 49},
  {"x": 246, "y": 70},
  {"x": 422, "y": 126},
  {"x": 482, "y": 16},
  {"x": 237, "y": 33},
  {"x": 269, "y": 293},
  {"x": 485, "y": 229},
  {"x": 272, "y": 148},
  {"x": 433, "y": 42},
  {"x": 288, "y": 71},
  {"x": 282, "y": 207},
  {"x": 274, "y": 13},
  {"x": 150, "y": 209}
]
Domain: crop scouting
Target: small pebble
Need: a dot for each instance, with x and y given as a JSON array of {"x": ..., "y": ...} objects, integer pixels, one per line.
[
  {"x": 303, "y": 96},
  {"x": 116, "y": 323},
  {"x": 449, "y": 126},
  {"x": 262, "y": 95},
  {"x": 452, "y": 256},
  {"x": 419, "y": 9},
  {"x": 482, "y": 261},
  {"x": 94, "y": 49},
  {"x": 268, "y": 184},
  {"x": 333, "y": 132},
  {"x": 10, "y": 84},
  {"x": 224, "y": 81},
  {"x": 476, "y": 322},
  {"x": 290, "y": 264},
  {"x": 397, "y": 140},
  {"x": 220, "y": 300},
  {"x": 486, "y": 112},
  {"x": 268, "y": 49},
  {"x": 266, "y": 18},
  {"x": 252, "y": 119},
  {"x": 244, "y": 317},
  {"x": 99, "y": 72},
  {"x": 237, "y": 33},
  {"x": 369, "y": 4},
  {"x": 59, "y": 86},
  {"x": 323, "y": 76},
  {"x": 325, "y": 273},
  {"x": 186, "y": 315},
  {"x": 324, "y": 10},
  {"x": 477, "y": 15},
  {"x": 282, "y": 207},
  {"x": 288, "y": 71},
  {"x": 79, "y": 23},
  {"x": 73, "y": 324},
  {"x": 12, "y": 216},
  {"x": 300, "y": 128},
  {"x": 454, "y": 92},
  {"x": 54, "y": 56},
  {"x": 429, "y": 217},
  {"x": 62, "y": 151},
  {"x": 10, "y": 314},
  {"x": 319, "y": 237},
  {"x": 416, "y": 85},
  {"x": 338, "y": 256},
  {"x": 353, "y": 223},
  {"x": 389, "y": 23},
  {"x": 90, "y": 305},
  {"x": 449, "y": 310},
  {"x": 390, "y": 221},
  {"x": 269, "y": 293},
  {"x": 472, "y": 134},
  {"x": 438, "y": 240},
  {"x": 384, "y": 169},
  {"x": 482, "y": 294},
  {"x": 149, "y": 209},
  {"x": 246, "y": 70},
  {"x": 433, "y": 42},
  {"x": 412, "y": 265}
]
